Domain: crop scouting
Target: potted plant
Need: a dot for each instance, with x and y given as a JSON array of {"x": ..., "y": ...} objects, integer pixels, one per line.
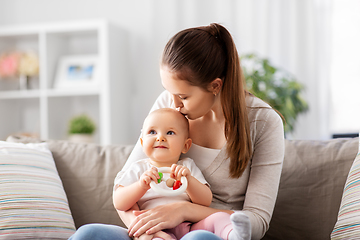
[
  {"x": 275, "y": 86},
  {"x": 81, "y": 128}
]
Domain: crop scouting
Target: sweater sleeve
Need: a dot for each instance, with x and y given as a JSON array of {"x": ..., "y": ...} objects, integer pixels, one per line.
[{"x": 265, "y": 172}]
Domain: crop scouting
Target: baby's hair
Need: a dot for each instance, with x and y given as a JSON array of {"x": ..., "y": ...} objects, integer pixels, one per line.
[{"x": 171, "y": 110}]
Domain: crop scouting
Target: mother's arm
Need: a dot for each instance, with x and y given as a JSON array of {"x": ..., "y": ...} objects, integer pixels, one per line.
[
  {"x": 265, "y": 173},
  {"x": 128, "y": 216},
  {"x": 168, "y": 216}
]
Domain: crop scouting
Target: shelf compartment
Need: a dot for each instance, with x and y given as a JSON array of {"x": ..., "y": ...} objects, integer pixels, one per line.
[
  {"x": 61, "y": 44},
  {"x": 62, "y": 108},
  {"x": 20, "y": 116},
  {"x": 14, "y": 42},
  {"x": 11, "y": 42}
]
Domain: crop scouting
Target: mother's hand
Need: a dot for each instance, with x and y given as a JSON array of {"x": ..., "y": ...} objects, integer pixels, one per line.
[{"x": 159, "y": 218}]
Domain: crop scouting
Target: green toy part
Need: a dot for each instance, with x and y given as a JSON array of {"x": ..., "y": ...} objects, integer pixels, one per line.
[{"x": 161, "y": 176}]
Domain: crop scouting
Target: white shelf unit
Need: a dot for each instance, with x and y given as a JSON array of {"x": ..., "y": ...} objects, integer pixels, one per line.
[{"x": 45, "y": 110}]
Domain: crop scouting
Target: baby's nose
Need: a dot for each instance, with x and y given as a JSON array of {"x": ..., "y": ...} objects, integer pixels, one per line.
[{"x": 160, "y": 138}]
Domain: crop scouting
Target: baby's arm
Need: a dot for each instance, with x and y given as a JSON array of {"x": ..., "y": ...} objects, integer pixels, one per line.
[
  {"x": 198, "y": 192},
  {"x": 125, "y": 197}
]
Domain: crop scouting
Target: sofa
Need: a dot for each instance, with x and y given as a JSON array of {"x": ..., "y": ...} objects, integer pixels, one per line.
[{"x": 310, "y": 191}]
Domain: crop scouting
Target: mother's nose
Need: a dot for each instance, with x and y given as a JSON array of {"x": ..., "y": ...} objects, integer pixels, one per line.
[{"x": 177, "y": 102}]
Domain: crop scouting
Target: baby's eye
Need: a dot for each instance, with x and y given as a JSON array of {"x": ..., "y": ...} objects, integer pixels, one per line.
[
  {"x": 170, "y": 133},
  {"x": 182, "y": 98},
  {"x": 152, "y": 132}
]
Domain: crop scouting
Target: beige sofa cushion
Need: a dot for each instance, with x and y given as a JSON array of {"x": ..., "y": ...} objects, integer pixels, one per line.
[
  {"x": 87, "y": 172},
  {"x": 348, "y": 222},
  {"x": 33, "y": 203},
  {"x": 311, "y": 185}
]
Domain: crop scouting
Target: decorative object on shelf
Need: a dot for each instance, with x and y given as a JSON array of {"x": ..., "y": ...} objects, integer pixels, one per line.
[
  {"x": 275, "y": 86},
  {"x": 81, "y": 128},
  {"x": 28, "y": 67},
  {"x": 9, "y": 63},
  {"x": 19, "y": 65},
  {"x": 26, "y": 134},
  {"x": 77, "y": 72}
]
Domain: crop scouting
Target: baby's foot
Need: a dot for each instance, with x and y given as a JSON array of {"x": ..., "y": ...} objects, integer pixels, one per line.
[{"x": 241, "y": 227}]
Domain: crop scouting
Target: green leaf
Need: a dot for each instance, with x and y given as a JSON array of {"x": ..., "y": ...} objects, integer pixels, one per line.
[
  {"x": 81, "y": 124},
  {"x": 282, "y": 93}
]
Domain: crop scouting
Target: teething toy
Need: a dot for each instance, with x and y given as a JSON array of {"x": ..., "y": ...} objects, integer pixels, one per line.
[
  {"x": 177, "y": 185},
  {"x": 170, "y": 182},
  {"x": 180, "y": 185},
  {"x": 161, "y": 176}
]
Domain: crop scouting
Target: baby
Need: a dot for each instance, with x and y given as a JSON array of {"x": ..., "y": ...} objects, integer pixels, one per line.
[{"x": 165, "y": 136}]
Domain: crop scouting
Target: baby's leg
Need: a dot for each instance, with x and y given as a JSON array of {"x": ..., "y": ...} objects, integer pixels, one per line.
[
  {"x": 218, "y": 223},
  {"x": 241, "y": 226},
  {"x": 144, "y": 237},
  {"x": 161, "y": 235},
  {"x": 234, "y": 227},
  {"x": 180, "y": 230}
]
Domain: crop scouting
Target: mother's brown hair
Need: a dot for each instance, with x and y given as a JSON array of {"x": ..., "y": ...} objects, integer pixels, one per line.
[{"x": 202, "y": 54}]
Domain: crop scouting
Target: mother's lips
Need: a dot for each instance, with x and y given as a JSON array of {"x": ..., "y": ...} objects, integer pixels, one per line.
[{"x": 160, "y": 147}]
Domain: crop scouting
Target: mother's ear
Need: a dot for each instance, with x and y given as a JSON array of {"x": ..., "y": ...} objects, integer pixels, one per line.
[{"x": 215, "y": 86}]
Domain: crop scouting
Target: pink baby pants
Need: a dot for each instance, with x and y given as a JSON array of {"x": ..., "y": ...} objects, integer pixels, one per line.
[{"x": 218, "y": 223}]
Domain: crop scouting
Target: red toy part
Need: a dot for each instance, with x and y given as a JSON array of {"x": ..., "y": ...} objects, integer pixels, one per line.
[{"x": 176, "y": 185}]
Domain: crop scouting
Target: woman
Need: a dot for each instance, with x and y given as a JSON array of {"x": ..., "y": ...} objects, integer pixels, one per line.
[{"x": 237, "y": 139}]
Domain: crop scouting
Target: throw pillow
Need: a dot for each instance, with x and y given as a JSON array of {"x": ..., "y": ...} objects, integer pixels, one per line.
[
  {"x": 348, "y": 222},
  {"x": 33, "y": 203}
]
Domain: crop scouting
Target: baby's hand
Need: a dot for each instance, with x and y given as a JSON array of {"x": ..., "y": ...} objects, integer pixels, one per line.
[
  {"x": 177, "y": 171},
  {"x": 148, "y": 176},
  {"x": 144, "y": 237}
]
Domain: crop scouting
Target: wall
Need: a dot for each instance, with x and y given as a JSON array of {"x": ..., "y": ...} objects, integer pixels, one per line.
[{"x": 286, "y": 31}]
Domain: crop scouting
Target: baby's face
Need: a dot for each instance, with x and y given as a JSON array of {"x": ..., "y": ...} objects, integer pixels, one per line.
[{"x": 164, "y": 137}]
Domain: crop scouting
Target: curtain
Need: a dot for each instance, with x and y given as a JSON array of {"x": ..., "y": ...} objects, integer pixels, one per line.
[{"x": 345, "y": 70}]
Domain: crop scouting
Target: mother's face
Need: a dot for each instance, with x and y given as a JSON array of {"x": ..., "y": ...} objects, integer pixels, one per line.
[{"x": 192, "y": 101}]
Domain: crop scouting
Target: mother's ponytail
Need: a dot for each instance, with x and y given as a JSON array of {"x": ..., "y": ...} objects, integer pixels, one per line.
[
  {"x": 200, "y": 55},
  {"x": 237, "y": 129}
]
